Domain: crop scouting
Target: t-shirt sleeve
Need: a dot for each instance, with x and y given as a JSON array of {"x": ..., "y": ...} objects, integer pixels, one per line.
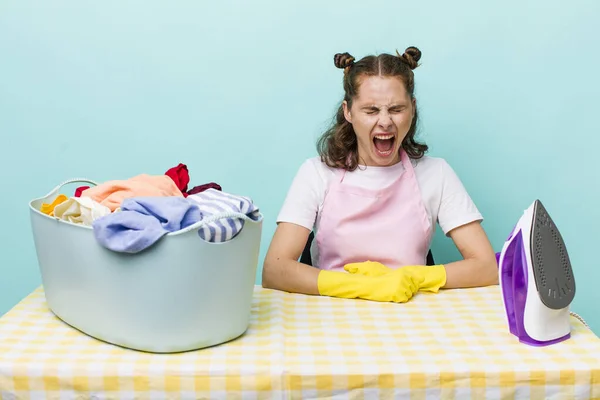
[
  {"x": 456, "y": 206},
  {"x": 303, "y": 198}
]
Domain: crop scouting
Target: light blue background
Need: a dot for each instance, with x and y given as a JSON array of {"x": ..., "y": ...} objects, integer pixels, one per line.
[{"x": 239, "y": 91}]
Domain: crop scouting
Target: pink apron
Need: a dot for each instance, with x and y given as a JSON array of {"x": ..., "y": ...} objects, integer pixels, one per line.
[{"x": 389, "y": 225}]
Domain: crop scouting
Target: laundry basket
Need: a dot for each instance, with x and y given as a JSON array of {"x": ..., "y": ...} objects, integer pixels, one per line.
[{"x": 181, "y": 294}]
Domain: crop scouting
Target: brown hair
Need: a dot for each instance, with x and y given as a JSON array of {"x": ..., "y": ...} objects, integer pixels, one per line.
[{"x": 338, "y": 146}]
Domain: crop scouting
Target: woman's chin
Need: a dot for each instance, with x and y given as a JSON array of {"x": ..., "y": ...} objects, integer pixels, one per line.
[
  {"x": 381, "y": 159},
  {"x": 385, "y": 158}
]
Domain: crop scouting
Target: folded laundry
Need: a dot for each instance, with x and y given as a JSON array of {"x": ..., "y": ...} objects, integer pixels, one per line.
[
  {"x": 80, "y": 210},
  {"x": 142, "y": 221}
]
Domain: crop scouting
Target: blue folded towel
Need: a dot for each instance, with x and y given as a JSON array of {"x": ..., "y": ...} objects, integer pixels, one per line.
[{"x": 142, "y": 221}]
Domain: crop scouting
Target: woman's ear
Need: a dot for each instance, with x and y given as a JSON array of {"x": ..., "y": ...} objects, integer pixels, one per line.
[{"x": 347, "y": 114}]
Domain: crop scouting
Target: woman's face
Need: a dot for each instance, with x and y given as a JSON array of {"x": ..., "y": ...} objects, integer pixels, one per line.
[{"x": 381, "y": 115}]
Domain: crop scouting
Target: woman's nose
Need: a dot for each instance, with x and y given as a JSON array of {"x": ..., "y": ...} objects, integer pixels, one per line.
[{"x": 385, "y": 120}]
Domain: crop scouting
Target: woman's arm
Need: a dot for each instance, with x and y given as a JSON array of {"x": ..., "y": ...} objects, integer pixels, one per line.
[
  {"x": 281, "y": 270},
  {"x": 478, "y": 267}
]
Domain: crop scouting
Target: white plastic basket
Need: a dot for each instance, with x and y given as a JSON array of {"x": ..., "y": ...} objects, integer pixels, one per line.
[{"x": 181, "y": 294}]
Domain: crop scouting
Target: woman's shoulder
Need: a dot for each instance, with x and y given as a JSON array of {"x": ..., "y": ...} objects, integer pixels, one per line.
[
  {"x": 434, "y": 171},
  {"x": 316, "y": 167},
  {"x": 317, "y": 162},
  {"x": 428, "y": 160},
  {"x": 429, "y": 164}
]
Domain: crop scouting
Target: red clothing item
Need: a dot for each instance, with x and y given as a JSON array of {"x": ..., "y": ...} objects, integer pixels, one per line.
[
  {"x": 202, "y": 188},
  {"x": 79, "y": 190},
  {"x": 180, "y": 176}
]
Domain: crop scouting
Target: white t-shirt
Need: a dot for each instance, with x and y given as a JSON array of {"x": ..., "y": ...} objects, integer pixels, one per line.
[{"x": 446, "y": 199}]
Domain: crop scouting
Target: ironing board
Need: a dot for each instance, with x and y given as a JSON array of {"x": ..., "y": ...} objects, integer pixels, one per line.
[{"x": 454, "y": 344}]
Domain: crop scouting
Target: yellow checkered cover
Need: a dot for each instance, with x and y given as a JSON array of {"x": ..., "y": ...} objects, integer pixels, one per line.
[{"x": 450, "y": 345}]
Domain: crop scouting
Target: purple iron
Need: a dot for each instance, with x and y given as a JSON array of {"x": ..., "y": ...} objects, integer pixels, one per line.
[{"x": 536, "y": 279}]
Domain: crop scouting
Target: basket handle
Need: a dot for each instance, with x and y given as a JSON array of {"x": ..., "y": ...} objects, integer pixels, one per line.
[{"x": 74, "y": 180}]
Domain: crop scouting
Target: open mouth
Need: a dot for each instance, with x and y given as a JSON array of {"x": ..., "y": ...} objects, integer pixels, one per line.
[{"x": 384, "y": 144}]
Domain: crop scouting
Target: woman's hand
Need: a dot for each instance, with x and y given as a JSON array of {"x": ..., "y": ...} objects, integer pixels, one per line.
[
  {"x": 427, "y": 278},
  {"x": 369, "y": 283}
]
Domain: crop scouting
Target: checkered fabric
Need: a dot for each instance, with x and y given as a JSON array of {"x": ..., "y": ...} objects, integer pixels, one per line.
[{"x": 454, "y": 344}]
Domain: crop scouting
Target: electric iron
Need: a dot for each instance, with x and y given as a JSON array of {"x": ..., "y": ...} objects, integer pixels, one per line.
[{"x": 536, "y": 279}]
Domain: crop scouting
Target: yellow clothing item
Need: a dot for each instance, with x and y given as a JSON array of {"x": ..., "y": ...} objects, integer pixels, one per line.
[
  {"x": 48, "y": 209},
  {"x": 428, "y": 278}
]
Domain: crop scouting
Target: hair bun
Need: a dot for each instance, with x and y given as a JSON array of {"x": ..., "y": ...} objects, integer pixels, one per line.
[
  {"x": 343, "y": 60},
  {"x": 412, "y": 55}
]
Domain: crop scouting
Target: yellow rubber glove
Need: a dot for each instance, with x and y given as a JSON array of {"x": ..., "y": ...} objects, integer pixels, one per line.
[
  {"x": 428, "y": 278},
  {"x": 397, "y": 288}
]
